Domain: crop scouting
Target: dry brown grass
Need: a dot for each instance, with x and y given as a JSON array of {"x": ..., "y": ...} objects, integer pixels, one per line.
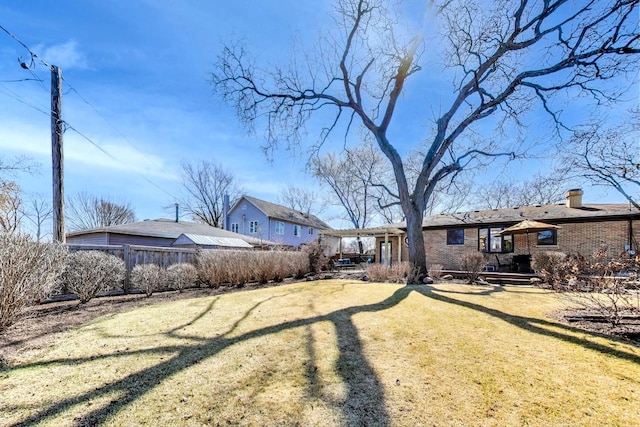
[{"x": 330, "y": 353}]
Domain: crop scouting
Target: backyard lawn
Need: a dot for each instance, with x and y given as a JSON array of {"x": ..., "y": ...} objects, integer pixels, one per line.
[{"x": 331, "y": 352}]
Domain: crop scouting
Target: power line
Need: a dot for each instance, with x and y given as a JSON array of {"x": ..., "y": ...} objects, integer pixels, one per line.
[
  {"x": 33, "y": 54},
  {"x": 31, "y": 67}
]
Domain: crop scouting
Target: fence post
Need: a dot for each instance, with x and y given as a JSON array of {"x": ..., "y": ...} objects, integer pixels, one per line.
[{"x": 127, "y": 267}]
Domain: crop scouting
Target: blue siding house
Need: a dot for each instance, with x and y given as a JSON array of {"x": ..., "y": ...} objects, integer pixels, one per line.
[{"x": 268, "y": 221}]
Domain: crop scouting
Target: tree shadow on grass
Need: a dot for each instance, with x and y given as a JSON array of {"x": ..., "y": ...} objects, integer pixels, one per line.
[
  {"x": 538, "y": 326},
  {"x": 363, "y": 405}
]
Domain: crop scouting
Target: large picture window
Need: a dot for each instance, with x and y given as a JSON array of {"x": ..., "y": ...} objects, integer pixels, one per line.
[
  {"x": 490, "y": 240},
  {"x": 548, "y": 238},
  {"x": 455, "y": 236}
]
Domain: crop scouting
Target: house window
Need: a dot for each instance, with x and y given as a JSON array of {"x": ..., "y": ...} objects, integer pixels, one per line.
[
  {"x": 279, "y": 227},
  {"x": 455, "y": 236},
  {"x": 310, "y": 230},
  {"x": 296, "y": 230},
  {"x": 548, "y": 238},
  {"x": 253, "y": 227},
  {"x": 490, "y": 240},
  {"x": 234, "y": 227}
]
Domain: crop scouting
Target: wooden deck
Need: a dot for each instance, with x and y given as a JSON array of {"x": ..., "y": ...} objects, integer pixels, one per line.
[{"x": 497, "y": 278}]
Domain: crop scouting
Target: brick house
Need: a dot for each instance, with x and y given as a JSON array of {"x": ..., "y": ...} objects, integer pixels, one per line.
[{"x": 584, "y": 229}]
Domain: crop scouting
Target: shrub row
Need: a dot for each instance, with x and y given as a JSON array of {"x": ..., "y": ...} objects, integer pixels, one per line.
[
  {"x": 31, "y": 271},
  {"x": 236, "y": 268}
]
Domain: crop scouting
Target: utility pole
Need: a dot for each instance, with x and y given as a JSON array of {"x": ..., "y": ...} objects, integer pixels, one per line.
[{"x": 57, "y": 158}]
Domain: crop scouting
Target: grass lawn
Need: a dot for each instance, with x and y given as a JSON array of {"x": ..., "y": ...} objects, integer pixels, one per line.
[{"x": 330, "y": 353}]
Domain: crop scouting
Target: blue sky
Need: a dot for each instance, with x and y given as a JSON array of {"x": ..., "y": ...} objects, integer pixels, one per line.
[
  {"x": 135, "y": 83},
  {"x": 143, "y": 67}
]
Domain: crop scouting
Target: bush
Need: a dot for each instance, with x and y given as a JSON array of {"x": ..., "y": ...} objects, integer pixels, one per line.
[
  {"x": 28, "y": 272},
  {"x": 218, "y": 267},
  {"x": 396, "y": 273},
  {"x": 472, "y": 264},
  {"x": 147, "y": 278},
  {"x": 318, "y": 261},
  {"x": 181, "y": 276},
  {"x": 551, "y": 267},
  {"x": 601, "y": 285},
  {"x": 89, "y": 273}
]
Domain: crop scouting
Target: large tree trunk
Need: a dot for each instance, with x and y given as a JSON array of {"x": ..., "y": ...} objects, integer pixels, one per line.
[{"x": 415, "y": 240}]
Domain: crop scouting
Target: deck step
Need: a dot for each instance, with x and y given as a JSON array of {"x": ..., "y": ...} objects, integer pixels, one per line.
[{"x": 521, "y": 279}]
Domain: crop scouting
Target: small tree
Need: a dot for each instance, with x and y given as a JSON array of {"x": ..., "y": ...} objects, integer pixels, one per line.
[
  {"x": 206, "y": 184},
  {"x": 85, "y": 211},
  {"x": 472, "y": 264},
  {"x": 318, "y": 260}
]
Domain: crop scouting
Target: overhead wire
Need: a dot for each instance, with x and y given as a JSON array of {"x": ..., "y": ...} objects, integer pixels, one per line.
[{"x": 31, "y": 67}]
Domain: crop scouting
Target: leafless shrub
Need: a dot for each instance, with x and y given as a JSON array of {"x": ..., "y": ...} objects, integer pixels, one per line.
[
  {"x": 472, "y": 264},
  {"x": 435, "y": 271},
  {"x": 148, "y": 278},
  {"x": 377, "y": 272},
  {"x": 239, "y": 267},
  {"x": 318, "y": 261},
  {"x": 88, "y": 273},
  {"x": 599, "y": 285},
  {"x": 396, "y": 273},
  {"x": 28, "y": 272},
  {"x": 181, "y": 276},
  {"x": 551, "y": 267}
]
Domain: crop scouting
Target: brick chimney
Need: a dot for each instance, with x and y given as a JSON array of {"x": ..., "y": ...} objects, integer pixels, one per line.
[{"x": 574, "y": 198}]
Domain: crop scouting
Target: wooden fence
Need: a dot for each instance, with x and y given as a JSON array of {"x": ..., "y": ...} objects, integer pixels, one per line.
[{"x": 133, "y": 255}]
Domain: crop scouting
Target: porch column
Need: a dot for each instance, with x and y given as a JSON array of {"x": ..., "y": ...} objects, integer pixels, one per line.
[
  {"x": 387, "y": 252},
  {"x": 399, "y": 248}
]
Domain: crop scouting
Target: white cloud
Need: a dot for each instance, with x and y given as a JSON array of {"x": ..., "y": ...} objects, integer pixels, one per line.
[
  {"x": 25, "y": 138},
  {"x": 65, "y": 55}
]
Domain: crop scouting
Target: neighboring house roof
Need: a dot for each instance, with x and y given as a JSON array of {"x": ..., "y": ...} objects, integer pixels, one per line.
[
  {"x": 555, "y": 214},
  {"x": 169, "y": 229},
  {"x": 283, "y": 213},
  {"x": 200, "y": 240}
]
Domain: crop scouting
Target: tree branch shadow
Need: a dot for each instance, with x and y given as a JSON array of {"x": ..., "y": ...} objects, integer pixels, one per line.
[
  {"x": 363, "y": 405},
  {"x": 538, "y": 326}
]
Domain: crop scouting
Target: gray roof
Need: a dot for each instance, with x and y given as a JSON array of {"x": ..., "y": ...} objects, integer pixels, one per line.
[
  {"x": 170, "y": 229},
  {"x": 198, "y": 239},
  {"x": 554, "y": 214},
  {"x": 283, "y": 213}
]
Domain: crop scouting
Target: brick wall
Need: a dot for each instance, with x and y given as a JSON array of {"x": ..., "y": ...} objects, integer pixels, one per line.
[{"x": 584, "y": 238}]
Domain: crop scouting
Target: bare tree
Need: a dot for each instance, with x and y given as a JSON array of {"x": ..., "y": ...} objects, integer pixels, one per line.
[
  {"x": 501, "y": 57},
  {"x": 206, "y": 183},
  {"x": 355, "y": 178},
  {"x": 85, "y": 211},
  {"x": 608, "y": 156},
  {"x": 509, "y": 193},
  {"x": 10, "y": 206},
  {"x": 299, "y": 199},
  {"x": 38, "y": 211}
]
